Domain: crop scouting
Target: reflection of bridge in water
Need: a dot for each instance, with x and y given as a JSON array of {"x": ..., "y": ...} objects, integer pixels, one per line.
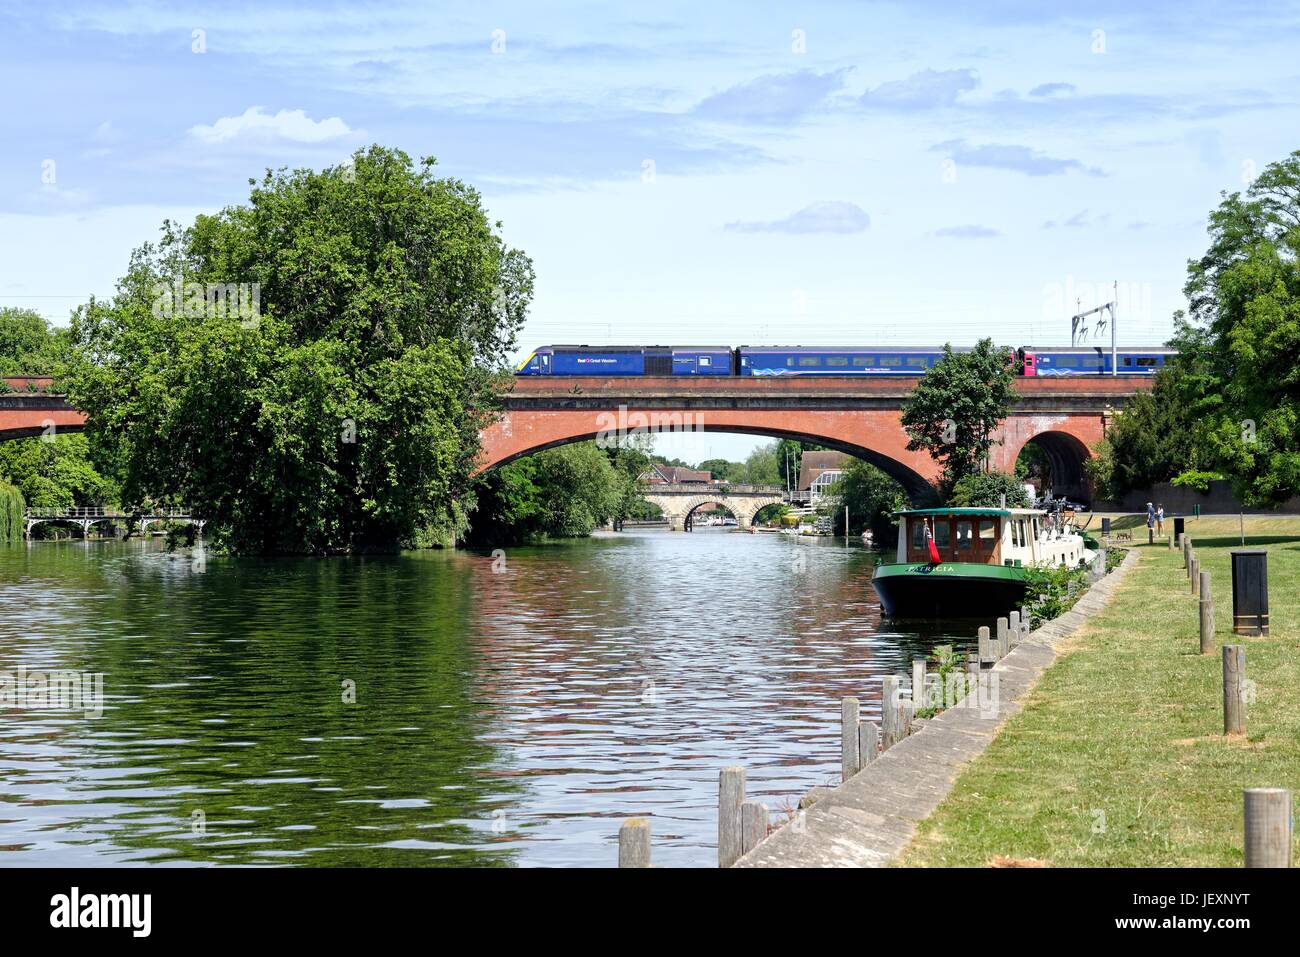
[
  {"x": 86, "y": 517},
  {"x": 679, "y": 502}
]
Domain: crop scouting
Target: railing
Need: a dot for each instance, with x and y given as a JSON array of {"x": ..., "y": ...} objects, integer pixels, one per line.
[
  {"x": 93, "y": 511},
  {"x": 708, "y": 488}
]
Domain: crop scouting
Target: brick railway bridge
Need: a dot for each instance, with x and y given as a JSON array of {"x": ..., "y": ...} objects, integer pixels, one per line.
[{"x": 1064, "y": 416}]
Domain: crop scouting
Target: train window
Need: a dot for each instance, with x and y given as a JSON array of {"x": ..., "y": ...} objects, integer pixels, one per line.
[
  {"x": 706, "y": 361},
  {"x": 1068, "y": 362},
  {"x": 837, "y": 360},
  {"x": 1147, "y": 361},
  {"x": 862, "y": 361},
  {"x": 1128, "y": 360},
  {"x": 891, "y": 360},
  {"x": 916, "y": 361},
  {"x": 810, "y": 360},
  {"x": 789, "y": 360},
  {"x": 1091, "y": 362}
]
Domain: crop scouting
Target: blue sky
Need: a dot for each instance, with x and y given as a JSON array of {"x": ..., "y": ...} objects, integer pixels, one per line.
[{"x": 680, "y": 172}]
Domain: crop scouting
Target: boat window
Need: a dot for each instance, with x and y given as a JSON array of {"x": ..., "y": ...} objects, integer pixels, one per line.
[
  {"x": 943, "y": 534},
  {"x": 1035, "y": 526},
  {"x": 1021, "y": 523},
  {"x": 964, "y": 539},
  {"x": 918, "y": 533},
  {"x": 988, "y": 535}
]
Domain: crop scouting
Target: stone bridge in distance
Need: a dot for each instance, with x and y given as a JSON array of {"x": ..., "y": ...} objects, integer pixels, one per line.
[{"x": 678, "y": 502}]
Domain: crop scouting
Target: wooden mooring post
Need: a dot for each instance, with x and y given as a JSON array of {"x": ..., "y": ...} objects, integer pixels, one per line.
[
  {"x": 1268, "y": 827},
  {"x": 868, "y": 742},
  {"x": 1194, "y": 574},
  {"x": 1207, "y": 615},
  {"x": 634, "y": 843},
  {"x": 918, "y": 683},
  {"x": 1000, "y": 647},
  {"x": 986, "y": 653},
  {"x": 850, "y": 755},
  {"x": 731, "y": 795},
  {"x": 889, "y": 713},
  {"x": 1234, "y": 689},
  {"x": 753, "y": 825}
]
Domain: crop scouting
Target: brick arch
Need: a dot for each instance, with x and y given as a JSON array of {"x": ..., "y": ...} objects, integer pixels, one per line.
[
  {"x": 874, "y": 435},
  {"x": 1067, "y": 453}
]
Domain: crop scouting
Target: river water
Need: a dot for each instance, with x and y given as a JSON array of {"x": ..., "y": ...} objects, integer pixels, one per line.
[{"x": 428, "y": 709}]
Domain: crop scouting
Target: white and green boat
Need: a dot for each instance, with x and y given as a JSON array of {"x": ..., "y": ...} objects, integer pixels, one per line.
[{"x": 973, "y": 562}]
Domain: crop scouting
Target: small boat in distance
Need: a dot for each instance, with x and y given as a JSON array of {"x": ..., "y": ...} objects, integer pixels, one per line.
[{"x": 973, "y": 562}]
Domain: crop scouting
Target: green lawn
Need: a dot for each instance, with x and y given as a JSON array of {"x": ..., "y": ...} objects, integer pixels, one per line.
[{"x": 1118, "y": 759}]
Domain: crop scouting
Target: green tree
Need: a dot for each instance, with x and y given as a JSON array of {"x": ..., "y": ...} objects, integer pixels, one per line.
[
  {"x": 722, "y": 470},
  {"x": 762, "y": 467},
  {"x": 1151, "y": 440},
  {"x": 56, "y": 472},
  {"x": 28, "y": 344},
  {"x": 958, "y": 405},
  {"x": 872, "y": 498},
  {"x": 340, "y": 410},
  {"x": 986, "y": 489},
  {"x": 1239, "y": 362}
]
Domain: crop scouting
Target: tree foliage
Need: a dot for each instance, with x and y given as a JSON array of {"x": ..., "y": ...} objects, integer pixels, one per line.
[
  {"x": 1239, "y": 363},
  {"x": 872, "y": 498},
  {"x": 986, "y": 489},
  {"x": 28, "y": 344},
  {"x": 56, "y": 472},
  {"x": 958, "y": 405},
  {"x": 344, "y": 414}
]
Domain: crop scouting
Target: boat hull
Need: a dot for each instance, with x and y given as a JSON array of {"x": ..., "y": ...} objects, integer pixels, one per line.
[{"x": 948, "y": 590}]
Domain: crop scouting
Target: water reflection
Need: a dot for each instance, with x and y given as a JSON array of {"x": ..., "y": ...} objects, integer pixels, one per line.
[{"x": 507, "y": 716}]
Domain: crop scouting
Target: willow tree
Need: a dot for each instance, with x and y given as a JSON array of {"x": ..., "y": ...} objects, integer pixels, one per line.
[{"x": 309, "y": 370}]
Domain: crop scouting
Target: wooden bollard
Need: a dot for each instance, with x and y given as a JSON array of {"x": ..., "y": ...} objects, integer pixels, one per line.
[
  {"x": 1000, "y": 646},
  {"x": 889, "y": 712},
  {"x": 907, "y": 711},
  {"x": 1194, "y": 575},
  {"x": 1234, "y": 689},
  {"x": 850, "y": 758},
  {"x": 987, "y": 654},
  {"x": 1171, "y": 543},
  {"x": 868, "y": 742},
  {"x": 1187, "y": 551},
  {"x": 731, "y": 795},
  {"x": 634, "y": 843},
  {"x": 1268, "y": 827},
  {"x": 918, "y": 683},
  {"x": 1207, "y": 615},
  {"x": 753, "y": 825}
]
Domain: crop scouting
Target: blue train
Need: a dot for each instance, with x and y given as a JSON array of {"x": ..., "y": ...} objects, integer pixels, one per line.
[{"x": 817, "y": 361}]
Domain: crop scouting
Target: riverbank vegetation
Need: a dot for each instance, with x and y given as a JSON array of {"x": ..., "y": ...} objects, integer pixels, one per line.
[
  {"x": 1118, "y": 757},
  {"x": 11, "y": 513},
  {"x": 339, "y": 409}
]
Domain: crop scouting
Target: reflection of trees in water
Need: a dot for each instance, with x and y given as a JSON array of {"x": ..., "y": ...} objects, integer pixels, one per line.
[{"x": 233, "y": 706}]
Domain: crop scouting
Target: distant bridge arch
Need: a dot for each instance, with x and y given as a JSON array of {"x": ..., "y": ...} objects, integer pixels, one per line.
[{"x": 679, "y": 501}]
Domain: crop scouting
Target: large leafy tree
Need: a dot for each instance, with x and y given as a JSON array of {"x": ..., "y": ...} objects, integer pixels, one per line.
[
  {"x": 1239, "y": 363},
  {"x": 28, "y": 344},
  {"x": 872, "y": 497},
  {"x": 344, "y": 414},
  {"x": 958, "y": 405}
]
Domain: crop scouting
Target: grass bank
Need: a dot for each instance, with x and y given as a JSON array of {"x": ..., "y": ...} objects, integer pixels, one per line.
[{"x": 1118, "y": 758}]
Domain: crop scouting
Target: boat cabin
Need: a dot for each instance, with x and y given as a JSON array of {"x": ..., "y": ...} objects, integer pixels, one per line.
[{"x": 988, "y": 536}]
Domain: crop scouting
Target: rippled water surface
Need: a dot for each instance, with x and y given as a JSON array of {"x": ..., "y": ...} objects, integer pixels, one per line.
[{"x": 501, "y": 717}]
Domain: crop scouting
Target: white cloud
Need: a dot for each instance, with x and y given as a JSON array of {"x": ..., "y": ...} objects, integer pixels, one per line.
[{"x": 294, "y": 126}]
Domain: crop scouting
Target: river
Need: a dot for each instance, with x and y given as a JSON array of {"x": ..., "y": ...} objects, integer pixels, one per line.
[{"x": 429, "y": 709}]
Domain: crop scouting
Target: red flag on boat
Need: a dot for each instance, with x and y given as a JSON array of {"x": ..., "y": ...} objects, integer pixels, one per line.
[{"x": 934, "y": 549}]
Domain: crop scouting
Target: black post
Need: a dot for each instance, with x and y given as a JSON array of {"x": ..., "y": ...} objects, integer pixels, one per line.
[
  {"x": 1105, "y": 527},
  {"x": 1178, "y": 527},
  {"x": 1250, "y": 592}
]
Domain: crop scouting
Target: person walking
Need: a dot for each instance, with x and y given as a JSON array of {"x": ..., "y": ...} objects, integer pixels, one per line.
[
  {"x": 1151, "y": 516},
  {"x": 1160, "y": 520}
]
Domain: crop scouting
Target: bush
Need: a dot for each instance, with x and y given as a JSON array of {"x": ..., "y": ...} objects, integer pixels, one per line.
[{"x": 985, "y": 490}]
